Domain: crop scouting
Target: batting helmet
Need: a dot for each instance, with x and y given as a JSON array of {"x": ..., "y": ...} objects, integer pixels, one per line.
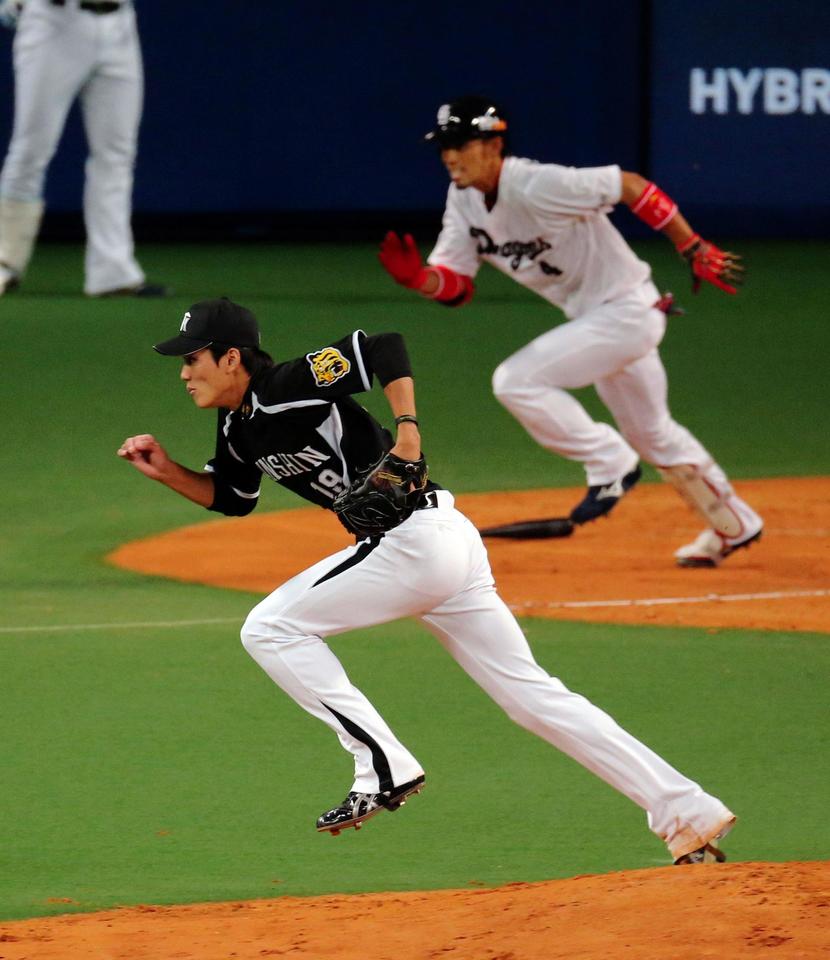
[{"x": 467, "y": 118}]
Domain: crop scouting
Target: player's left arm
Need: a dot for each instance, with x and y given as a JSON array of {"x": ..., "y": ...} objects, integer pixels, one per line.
[
  {"x": 647, "y": 201},
  {"x": 400, "y": 394}
]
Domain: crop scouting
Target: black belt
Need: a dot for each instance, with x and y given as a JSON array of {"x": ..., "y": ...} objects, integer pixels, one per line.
[{"x": 92, "y": 6}]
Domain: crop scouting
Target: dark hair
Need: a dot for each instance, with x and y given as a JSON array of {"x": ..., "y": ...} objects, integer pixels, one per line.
[{"x": 253, "y": 359}]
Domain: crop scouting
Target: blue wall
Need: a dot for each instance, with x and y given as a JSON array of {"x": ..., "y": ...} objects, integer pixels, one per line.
[
  {"x": 254, "y": 105},
  {"x": 740, "y": 111}
]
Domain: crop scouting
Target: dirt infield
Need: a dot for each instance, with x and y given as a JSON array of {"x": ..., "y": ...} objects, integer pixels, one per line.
[
  {"x": 724, "y": 911},
  {"x": 619, "y": 569},
  {"x": 616, "y": 570}
]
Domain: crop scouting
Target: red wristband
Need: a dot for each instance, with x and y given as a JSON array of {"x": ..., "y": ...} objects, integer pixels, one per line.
[
  {"x": 454, "y": 289},
  {"x": 654, "y": 207}
]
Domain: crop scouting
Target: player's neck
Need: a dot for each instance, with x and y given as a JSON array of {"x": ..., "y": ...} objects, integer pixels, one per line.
[
  {"x": 488, "y": 183},
  {"x": 233, "y": 396}
]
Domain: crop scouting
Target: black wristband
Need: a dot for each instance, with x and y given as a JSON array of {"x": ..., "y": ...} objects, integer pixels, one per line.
[{"x": 406, "y": 418}]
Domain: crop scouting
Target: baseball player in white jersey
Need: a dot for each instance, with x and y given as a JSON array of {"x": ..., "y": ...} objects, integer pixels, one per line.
[
  {"x": 297, "y": 423},
  {"x": 546, "y": 226},
  {"x": 65, "y": 49}
]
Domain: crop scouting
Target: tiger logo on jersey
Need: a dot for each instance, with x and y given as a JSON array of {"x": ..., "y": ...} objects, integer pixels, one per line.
[{"x": 328, "y": 366}]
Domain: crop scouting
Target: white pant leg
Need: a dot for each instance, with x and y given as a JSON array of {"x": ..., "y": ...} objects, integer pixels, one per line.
[
  {"x": 411, "y": 570},
  {"x": 111, "y": 102},
  {"x": 637, "y": 396},
  {"x": 51, "y": 63},
  {"x": 532, "y": 383},
  {"x": 482, "y": 635}
]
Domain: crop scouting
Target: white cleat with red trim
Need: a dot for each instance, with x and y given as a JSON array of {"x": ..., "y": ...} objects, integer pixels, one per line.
[{"x": 710, "y": 549}]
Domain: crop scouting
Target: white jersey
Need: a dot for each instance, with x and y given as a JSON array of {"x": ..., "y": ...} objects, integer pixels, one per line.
[{"x": 548, "y": 230}]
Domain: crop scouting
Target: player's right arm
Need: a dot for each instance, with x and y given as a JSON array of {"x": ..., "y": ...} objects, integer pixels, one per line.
[
  {"x": 447, "y": 277},
  {"x": 148, "y": 456},
  {"x": 400, "y": 258}
]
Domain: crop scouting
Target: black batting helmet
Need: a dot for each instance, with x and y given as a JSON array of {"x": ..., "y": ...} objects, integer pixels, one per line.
[{"x": 467, "y": 118}]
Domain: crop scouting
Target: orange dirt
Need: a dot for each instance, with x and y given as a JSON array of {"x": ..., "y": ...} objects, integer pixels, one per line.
[
  {"x": 729, "y": 912},
  {"x": 618, "y": 570}
]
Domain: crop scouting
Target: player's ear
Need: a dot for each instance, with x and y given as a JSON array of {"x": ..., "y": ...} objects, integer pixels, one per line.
[{"x": 230, "y": 359}]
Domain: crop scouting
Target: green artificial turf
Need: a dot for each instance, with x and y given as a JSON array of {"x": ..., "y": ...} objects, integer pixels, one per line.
[
  {"x": 147, "y": 759},
  {"x": 162, "y": 766}
]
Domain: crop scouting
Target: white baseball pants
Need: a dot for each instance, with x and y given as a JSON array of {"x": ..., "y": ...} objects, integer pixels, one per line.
[
  {"x": 60, "y": 53},
  {"x": 614, "y": 348},
  {"x": 434, "y": 566}
]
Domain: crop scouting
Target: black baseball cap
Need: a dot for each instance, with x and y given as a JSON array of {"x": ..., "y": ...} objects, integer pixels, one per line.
[
  {"x": 466, "y": 118},
  {"x": 212, "y": 321}
]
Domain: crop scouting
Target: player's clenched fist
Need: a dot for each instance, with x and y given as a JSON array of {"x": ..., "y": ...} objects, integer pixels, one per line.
[
  {"x": 146, "y": 454},
  {"x": 715, "y": 266},
  {"x": 401, "y": 260}
]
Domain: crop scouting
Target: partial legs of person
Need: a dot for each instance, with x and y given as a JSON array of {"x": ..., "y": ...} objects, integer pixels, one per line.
[
  {"x": 49, "y": 73},
  {"x": 111, "y": 102},
  {"x": 533, "y": 383},
  {"x": 637, "y": 396},
  {"x": 435, "y": 565},
  {"x": 481, "y": 634},
  {"x": 405, "y": 572}
]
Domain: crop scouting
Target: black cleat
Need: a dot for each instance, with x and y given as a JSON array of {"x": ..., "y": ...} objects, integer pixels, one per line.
[
  {"x": 358, "y": 807},
  {"x": 602, "y": 499}
]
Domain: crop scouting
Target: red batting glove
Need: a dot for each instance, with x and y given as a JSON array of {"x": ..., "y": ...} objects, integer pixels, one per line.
[
  {"x": 402, "y": 261},
  {"x": 715, "y": 266}
]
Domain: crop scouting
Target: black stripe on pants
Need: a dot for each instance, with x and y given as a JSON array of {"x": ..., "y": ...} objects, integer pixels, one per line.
[
  {"x": 379, "y": 761},
  {"x": 361, "y": 553}
]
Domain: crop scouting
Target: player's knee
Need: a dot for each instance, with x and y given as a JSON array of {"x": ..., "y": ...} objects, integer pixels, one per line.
[
  {"x": 252, "y": 636},
  {"x": 506, "y": 384},
  {"x": 257, "y": 633}
]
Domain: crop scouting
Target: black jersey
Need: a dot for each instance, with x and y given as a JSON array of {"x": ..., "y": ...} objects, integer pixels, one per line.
[{"x": 299, "y": 425}]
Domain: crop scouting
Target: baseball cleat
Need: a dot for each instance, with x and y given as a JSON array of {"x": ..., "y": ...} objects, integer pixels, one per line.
[
  {"x": 709, "y": 852},
  {"x": 601, "y": 499},
  {"x": 358, "y": 807},
  {"x": 710, "y": 549},
  {"x": 705, "y": 854},
  {"x": 9, "y": 280}
]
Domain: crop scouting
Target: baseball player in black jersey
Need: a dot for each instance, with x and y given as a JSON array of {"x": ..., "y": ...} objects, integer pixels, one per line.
[{"x": 296, "y": 422}]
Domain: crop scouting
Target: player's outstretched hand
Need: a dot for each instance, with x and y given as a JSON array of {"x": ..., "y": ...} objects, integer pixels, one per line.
[
  {"x": 718, "y": 267},
  {"x": 146, "y": 454},
  {"x": 401, "y": 260}
]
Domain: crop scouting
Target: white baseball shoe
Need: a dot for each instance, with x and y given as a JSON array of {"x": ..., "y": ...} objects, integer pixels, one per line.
[
  {"x": 710, "y": 549},
  {"x": 710, "y": 852},
  {"x": 8, "y": 279}
]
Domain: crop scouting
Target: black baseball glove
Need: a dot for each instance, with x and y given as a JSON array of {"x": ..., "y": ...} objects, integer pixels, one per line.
[{"x": 382, "y": 497}]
